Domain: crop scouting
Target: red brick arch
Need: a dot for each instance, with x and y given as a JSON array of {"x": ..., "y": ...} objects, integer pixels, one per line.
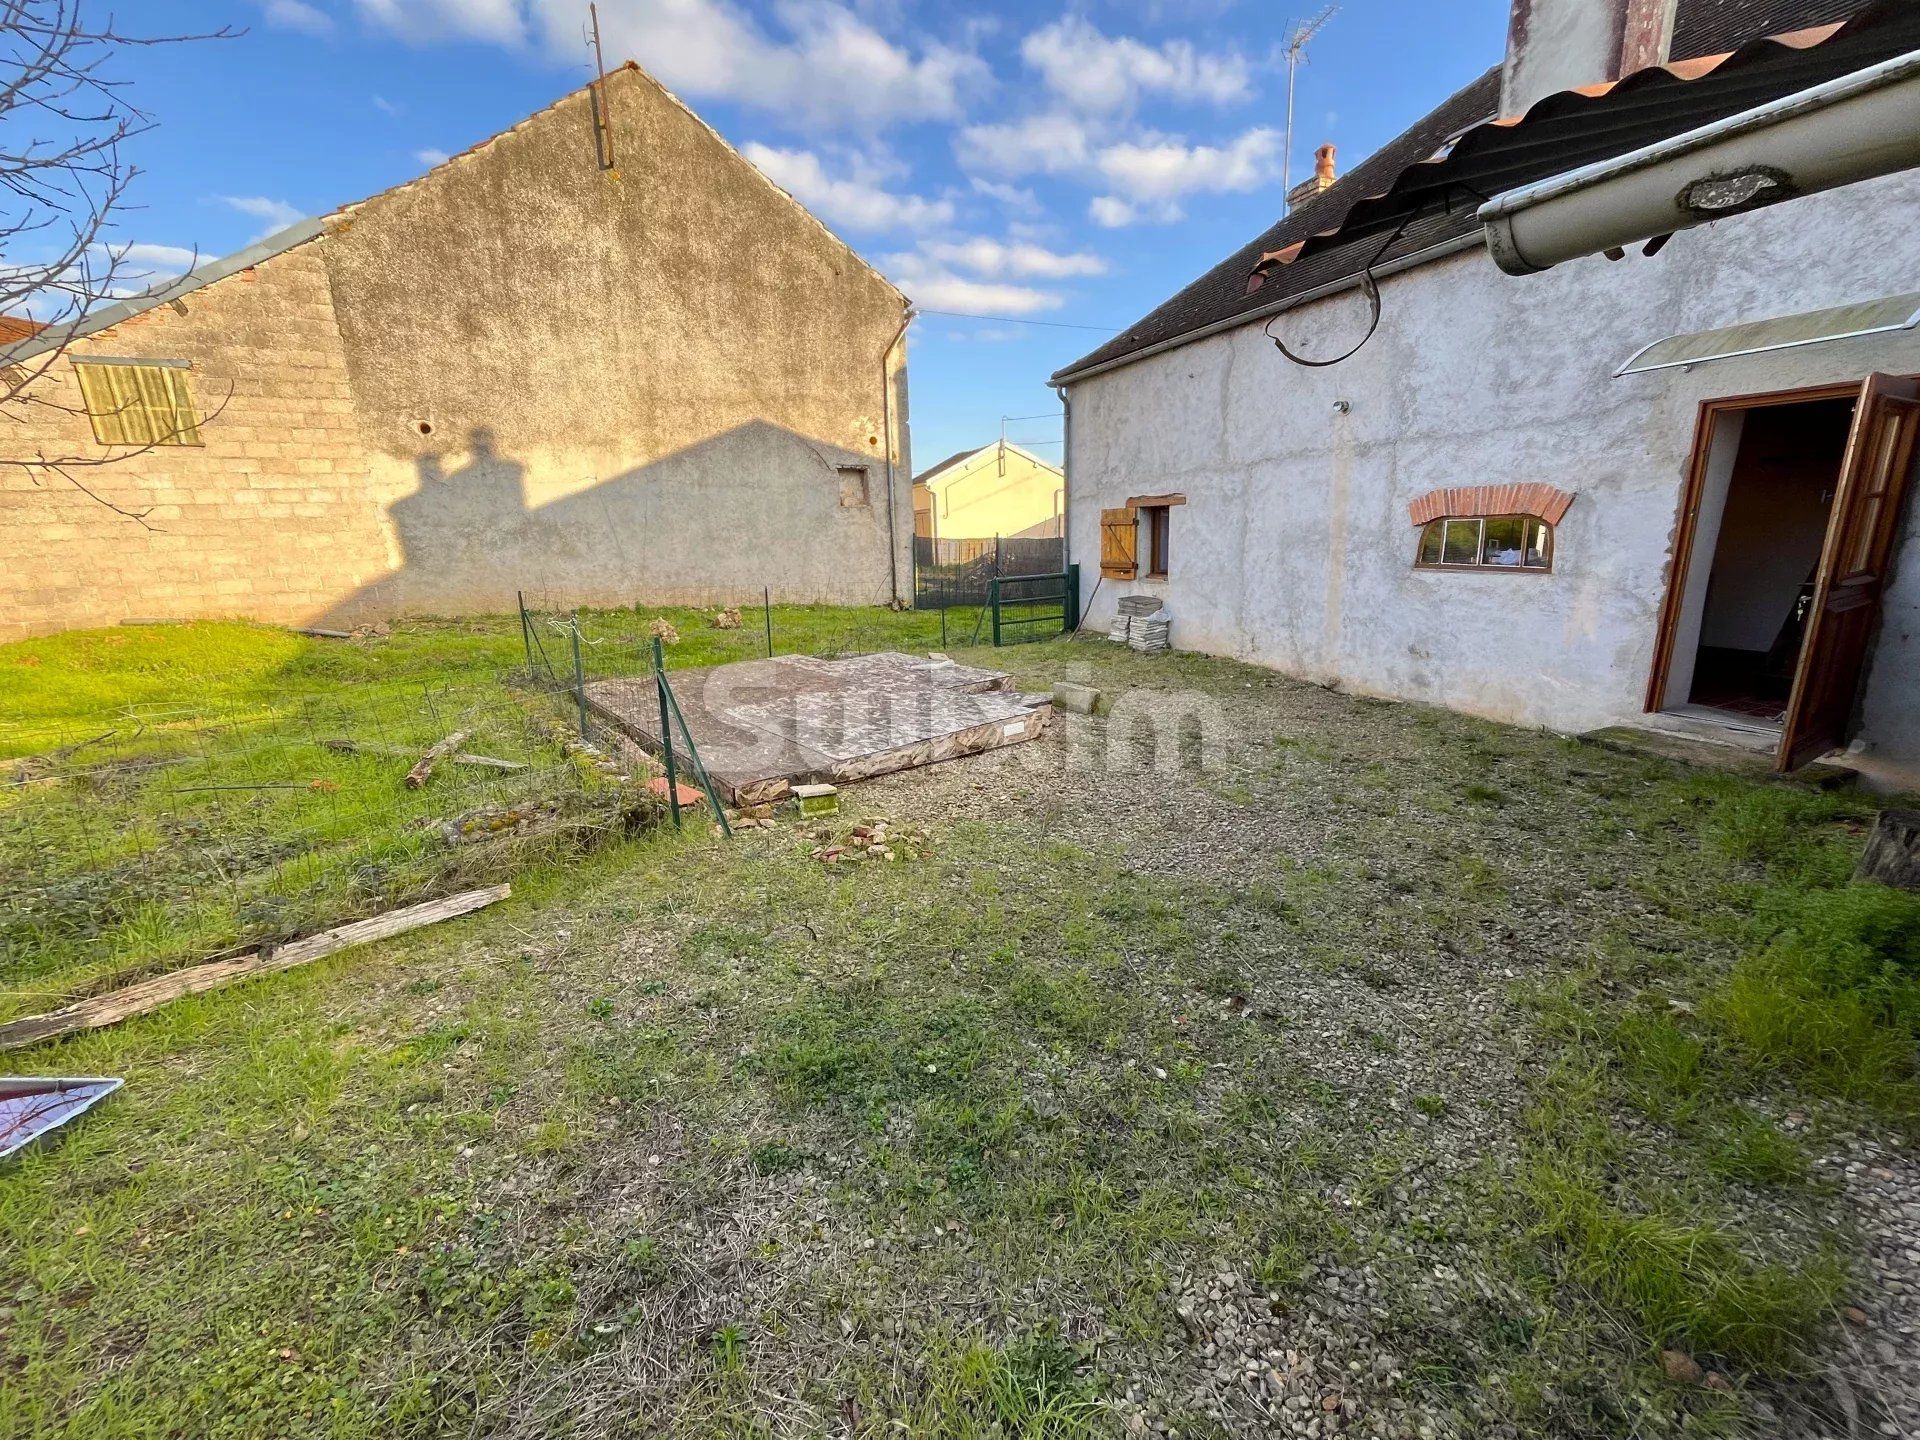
[{"x": 1465, "y": 501}]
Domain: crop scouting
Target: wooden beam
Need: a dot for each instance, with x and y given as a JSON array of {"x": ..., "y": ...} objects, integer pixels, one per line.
[{"x": 118, "y": 1005}]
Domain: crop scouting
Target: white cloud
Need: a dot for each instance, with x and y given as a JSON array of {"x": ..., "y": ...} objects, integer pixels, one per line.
[
  {"x": 137, "y": 259},
  {"x": 431, "y": 157},
  {"x": 858, "y": 199},
  {"x": 298, "y": 15},
  {"x": 1047, "y": 144},
  {"x": 1144, "y": 178},
  {"x": 499, "y": 21},
  {"x": 386, "y": 106},
  {"x": 937, "y": 287},
  {"x": 1016, "y": 259},
  {"x": 1161, "y": 169},
  {"x": 1018, "y": 196},
  {"x": 821, "y": 63},
  {"x": 277, "y": 214},
  {"x": 831, "y": 69},
  {"x": 1100, "y": 73}
]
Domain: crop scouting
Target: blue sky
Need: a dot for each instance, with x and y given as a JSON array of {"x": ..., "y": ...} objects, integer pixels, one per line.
[{"x": 1070, "y": 164}]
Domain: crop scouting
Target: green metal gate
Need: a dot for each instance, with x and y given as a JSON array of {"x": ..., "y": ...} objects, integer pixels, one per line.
[{"x": 1038, "y": 606}]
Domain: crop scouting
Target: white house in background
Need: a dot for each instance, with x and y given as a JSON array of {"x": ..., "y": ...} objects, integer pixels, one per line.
[{"x": 1486, "y": 506}]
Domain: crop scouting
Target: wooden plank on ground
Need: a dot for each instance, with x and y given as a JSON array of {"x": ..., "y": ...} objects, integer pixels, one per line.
[
  {"x": 439, "y": 750},
  {"x": 464, "y": 757},
  {"x": 110, "y": 1009}
]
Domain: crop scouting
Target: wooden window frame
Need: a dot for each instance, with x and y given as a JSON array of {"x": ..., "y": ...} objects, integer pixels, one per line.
[
  {"x": 1480, "y": 567},
  {"x": 1157, "y": 521}
]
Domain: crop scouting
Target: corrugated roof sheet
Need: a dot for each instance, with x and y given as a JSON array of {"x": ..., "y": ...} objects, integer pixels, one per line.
[
  {"x": 1715, "y": 27},
  {"x": 1429, "y": 196}
]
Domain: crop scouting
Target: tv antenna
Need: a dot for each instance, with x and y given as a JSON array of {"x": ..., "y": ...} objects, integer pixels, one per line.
[{"x": 1296, "y": 57}]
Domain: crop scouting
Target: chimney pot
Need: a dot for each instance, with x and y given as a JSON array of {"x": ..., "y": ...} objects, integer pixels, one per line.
[{"x": 1323, "y": 166}]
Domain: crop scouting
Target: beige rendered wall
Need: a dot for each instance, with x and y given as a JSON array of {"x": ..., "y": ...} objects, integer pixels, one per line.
[
  {"x": 992, "y": 493},
  {"x": 614, "y": 385},
  {"x": 270, "y": 517},
  {"x": 636, "y": 385}
]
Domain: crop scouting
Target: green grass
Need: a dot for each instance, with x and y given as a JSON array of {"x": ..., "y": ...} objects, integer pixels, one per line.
[
  {"x": 245, "y": 828},
  {"x": 703, "y": 1139}
]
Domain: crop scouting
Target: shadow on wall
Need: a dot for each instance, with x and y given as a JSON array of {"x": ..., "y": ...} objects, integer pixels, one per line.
[{"x": 758, "y": 505}]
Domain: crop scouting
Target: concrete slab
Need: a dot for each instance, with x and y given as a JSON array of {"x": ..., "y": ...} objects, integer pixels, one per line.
[{"x": 764, "y": 726}]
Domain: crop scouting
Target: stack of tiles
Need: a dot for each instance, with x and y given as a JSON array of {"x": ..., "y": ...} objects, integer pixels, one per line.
[{"x": 1141, "y": 623}]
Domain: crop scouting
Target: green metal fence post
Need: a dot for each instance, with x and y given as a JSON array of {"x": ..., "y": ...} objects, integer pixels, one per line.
[
  {"x": 693, "y": 758},
  {"x": 1070, "y": 620},
  {"x": 766, "y": 602},
  {"x": 993, "y": 601},
  {"x": 579, "y": 678},
  {"x": 666, "y": 729},
  {"x": 526, "y": 629}
]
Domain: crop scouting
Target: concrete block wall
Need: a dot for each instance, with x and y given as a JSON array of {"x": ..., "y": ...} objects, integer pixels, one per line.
[
  {"x": 269, "y": 518},
  {"x": 520, "y": 371}
]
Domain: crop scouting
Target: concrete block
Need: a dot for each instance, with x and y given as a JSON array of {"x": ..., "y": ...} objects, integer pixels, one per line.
[{"x": 1078, "y": 699}]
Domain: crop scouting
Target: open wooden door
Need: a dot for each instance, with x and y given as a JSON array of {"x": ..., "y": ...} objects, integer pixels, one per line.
[{"x": 1853, "y": 568}]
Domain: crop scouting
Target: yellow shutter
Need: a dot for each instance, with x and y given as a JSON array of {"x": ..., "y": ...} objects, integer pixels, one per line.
[
  {"x": 1119, "y": 543},
  {"x": 96, "y": 391},
  {"x": 185, "y": 424},
  {"x": 138, "y": 404}
]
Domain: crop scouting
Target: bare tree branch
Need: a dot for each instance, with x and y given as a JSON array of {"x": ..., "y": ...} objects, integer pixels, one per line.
[{"x": 64, "y": 122}]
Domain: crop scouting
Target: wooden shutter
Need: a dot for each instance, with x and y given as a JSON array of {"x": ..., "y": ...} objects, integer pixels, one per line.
[
  {"x": 138, "y": 404},
  {"x": 104, "y": 407},
  {"x": 1119, "y": 544}
]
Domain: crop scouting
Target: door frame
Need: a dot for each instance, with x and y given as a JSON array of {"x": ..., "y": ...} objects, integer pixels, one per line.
[{"x": 1687, "y": 522}]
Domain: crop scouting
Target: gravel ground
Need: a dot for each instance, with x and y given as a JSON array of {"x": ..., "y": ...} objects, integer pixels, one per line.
[{"x": 1322, "y": 1359}]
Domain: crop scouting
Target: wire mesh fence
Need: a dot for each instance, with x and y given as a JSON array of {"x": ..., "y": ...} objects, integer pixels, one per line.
[{"x": 178, "y": 834}]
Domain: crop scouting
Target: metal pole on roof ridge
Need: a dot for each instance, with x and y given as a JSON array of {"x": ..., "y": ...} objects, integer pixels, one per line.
[
  {"x": 1296, "y": 57},
  {"x": 602, "y": 117}
]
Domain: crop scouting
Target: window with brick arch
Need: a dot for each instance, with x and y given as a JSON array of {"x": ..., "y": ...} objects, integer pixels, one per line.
[{"x": 1485, "y": 542}]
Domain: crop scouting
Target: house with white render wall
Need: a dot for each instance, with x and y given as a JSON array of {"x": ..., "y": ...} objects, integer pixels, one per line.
[{"x": 1664, "y": 487}]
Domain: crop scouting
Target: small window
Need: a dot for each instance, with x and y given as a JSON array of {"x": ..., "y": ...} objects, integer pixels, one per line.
[
  {"x": 138, "y": 403},
  {"x": 853, "y": 487},
  {"x": 1495, "y": 542},
  {"x": 1157, "y": 521}
]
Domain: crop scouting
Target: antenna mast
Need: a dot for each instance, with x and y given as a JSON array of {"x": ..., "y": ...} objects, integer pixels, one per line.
[
  {"x": 1296, "y": 57},
  {"x": 602, "y": 120}
]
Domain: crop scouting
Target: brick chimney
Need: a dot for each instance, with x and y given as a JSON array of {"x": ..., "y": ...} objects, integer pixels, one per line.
[
  {"x": 1323, "y": 178},
  {"x": 1555, "y": 45}
]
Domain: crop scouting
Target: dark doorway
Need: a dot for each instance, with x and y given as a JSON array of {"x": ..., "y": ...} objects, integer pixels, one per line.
[{"x": 1766, "y": 557}]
